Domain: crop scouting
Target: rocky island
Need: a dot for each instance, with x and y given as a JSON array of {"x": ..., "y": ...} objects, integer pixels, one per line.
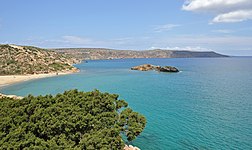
[{"x": 147, "y": 67}]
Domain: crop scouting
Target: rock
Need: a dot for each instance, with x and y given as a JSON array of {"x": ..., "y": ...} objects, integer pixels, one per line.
[
  {"x": 130, "y": 147},
  {"x": 10, "y": 96},
  {"x": 147, "y": 67},
  {"x": 168, "y": 69},
  {"x": 75, "y": 70},
  {"x": 144, "y": 67}
]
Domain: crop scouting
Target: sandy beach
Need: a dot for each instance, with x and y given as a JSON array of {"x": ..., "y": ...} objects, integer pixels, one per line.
[{"x": 10, "y": 79}]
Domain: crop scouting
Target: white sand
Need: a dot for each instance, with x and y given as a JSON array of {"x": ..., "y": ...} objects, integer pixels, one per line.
[{"x": 10, "y": 79}]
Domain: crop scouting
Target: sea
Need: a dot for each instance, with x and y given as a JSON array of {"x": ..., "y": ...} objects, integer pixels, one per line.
[{"x": 207, "y": 105}]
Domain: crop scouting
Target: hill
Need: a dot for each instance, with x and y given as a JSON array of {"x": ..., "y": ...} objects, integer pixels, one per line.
[
  {"x": 16, "y": 60},
  {"x": 102, "y": 53}
]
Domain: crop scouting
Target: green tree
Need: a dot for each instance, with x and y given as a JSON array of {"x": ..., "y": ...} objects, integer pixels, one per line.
[{"x": 71, "y": 120}]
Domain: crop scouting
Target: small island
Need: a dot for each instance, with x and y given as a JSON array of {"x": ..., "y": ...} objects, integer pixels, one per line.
[{"x": 147, "y": 67}]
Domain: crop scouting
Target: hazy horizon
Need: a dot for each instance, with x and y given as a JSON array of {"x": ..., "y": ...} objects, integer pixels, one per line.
[{"x": 232, "y": 53}]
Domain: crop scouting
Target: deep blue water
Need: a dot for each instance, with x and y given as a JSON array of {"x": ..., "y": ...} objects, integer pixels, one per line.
[{"x": 208, "y": 105}]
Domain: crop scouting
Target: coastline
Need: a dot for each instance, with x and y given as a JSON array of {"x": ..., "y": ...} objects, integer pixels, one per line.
[{"x": 12, "y": 79}]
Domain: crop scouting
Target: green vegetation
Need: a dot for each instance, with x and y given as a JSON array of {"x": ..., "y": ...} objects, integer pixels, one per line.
[{"x": 72, "y": 120}]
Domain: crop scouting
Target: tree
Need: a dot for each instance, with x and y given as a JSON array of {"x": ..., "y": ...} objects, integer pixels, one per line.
[{"x": 71, "y": 120}]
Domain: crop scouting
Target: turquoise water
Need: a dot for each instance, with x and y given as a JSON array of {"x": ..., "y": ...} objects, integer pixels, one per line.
[{"x": 208, "y": 105}]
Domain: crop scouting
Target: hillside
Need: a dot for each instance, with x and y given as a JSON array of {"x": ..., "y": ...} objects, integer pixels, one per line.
[
  {"x": 101, "y": 53},
  {"x": 16, "y": 60}
]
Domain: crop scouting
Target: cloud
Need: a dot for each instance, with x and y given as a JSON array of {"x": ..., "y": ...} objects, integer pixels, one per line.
[
  {"x": 235, "y": 16},
  {"x": 226, "y": 11},
  {"x": 77, "y": 40},
  {"x": 166, "y": 27},
  {"x": 63, "y": 41},
  {"x": 87, "y": 41},
  {"x": 223, "y": 31},
  {"x": 82, "y": 41},
  {"x": 216, "y": 43},
  {"x": 204, "y": 40},
  {"x": 187, "y": 48},
  {"x": 215, "y": 5}
]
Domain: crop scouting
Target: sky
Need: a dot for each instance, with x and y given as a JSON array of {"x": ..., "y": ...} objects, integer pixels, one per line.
[{"x": 224, "y": 26}]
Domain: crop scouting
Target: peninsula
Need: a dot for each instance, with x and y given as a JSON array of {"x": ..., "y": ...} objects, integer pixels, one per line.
[{"x": 103, "y": 53}]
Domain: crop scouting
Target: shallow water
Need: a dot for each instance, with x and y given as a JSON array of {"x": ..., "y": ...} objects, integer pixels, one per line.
[{"x": 208, "y": 105}]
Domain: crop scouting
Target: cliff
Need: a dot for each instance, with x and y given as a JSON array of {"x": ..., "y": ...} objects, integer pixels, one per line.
[
  {"x": 17, "y": 60},
  {"x": 101, "y": 53}
]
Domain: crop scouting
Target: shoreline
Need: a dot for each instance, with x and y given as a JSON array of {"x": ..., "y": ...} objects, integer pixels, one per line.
[{"x": 12, "y": 79}]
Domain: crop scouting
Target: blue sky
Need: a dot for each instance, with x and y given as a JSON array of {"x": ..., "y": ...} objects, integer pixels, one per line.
[{"x": 224, "y": 26}]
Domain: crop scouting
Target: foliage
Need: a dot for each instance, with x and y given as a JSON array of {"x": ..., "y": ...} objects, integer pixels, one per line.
[{"x": 72, "y": 120}]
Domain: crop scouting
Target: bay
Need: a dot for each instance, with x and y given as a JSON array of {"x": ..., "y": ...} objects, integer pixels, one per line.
[{"x": 207, "y": 105}]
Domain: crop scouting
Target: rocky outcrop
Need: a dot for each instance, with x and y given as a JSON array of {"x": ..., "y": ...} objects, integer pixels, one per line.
[
  {"x": 130, "y": 147},
  {"x": 147, "y": 67},
  {"x": 167, "y": 69},
  {"x": 10, "y": 96}
]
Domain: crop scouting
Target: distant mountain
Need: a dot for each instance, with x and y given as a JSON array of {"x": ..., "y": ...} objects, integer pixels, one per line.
[
  {"x": 32, "y": 60},
  {"x": 101, "y": 53}
]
